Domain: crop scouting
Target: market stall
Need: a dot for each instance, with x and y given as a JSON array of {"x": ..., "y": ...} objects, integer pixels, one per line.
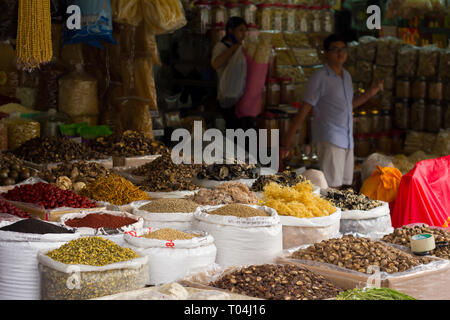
[{"x": 94, "y": 205}]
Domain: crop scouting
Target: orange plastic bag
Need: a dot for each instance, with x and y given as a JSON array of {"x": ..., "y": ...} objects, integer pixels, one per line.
[{"x": 382, "y": 184}]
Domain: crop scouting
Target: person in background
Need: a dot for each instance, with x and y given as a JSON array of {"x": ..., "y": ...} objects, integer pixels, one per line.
[
  {"x": 236, "y": 30},
  {"x": 329, "y": 93}
]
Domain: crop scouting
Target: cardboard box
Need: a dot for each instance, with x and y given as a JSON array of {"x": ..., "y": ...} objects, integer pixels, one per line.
[{"x": 432, "y": 284}]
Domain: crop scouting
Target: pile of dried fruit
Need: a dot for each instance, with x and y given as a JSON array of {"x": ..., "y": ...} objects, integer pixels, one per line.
[
  {"x": 277, "y": 282},
  {"x": 226, "y": 172},
  {"x": 13, "y": 171},
  {"x": 129, "y": 144},
  {"x": 226, "y": 193},
  {"x": 349, "y": 200},
  {"x": 54, "y": 150},
  {"x": 47, "y": 196},
  {"x": 402, "y": 236},
  {"x": 164, "y": 175},
  {"x": 286, "y": 179},
  {"x": 74, "y": 176},
  {"x": 239, "y": 210},
  {"x": 6, "y": 207},
  {"x": 360, "y": 253}
]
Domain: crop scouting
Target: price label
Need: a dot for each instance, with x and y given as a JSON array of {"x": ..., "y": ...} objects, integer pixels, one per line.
[{"x": 170, "y": 244}]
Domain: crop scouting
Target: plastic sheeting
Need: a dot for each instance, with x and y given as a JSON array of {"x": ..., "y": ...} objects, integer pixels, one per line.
[
  {"x": 170, "y": 261},
  {"x": 19, "y": 275},
  {"x": 424, "y": 195},
  {"x": 300, "y": 231},
  {"x": 240, "y": 241}
]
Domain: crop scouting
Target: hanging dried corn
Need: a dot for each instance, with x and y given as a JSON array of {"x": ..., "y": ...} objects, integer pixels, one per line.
[{"x": 34, "y": 34}]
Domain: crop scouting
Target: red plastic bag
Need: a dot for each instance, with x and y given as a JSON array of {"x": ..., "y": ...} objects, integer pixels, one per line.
[
  {"x": 424, "y": 195},
  {"x": 250, "y": 104}
]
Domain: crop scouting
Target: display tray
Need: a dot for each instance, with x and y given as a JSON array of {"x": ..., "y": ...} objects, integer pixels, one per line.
[
  {"x": 201, "y": 280},
  {"x": 429, "y": 283},
  {"x": 124, "y": 163},
  {"x": 50, "y": 214},
  {"x": 152, "y": 293},
  {"x": 107, "y": 163}
]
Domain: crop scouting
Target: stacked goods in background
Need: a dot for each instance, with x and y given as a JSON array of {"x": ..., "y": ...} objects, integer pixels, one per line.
[{"x": 411, "y": 113}]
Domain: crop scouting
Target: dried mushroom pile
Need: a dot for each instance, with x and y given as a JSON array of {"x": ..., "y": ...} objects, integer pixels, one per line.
[
  {"x": 226, "y": 193},
  {"x": 286, "y": 179},
  {"x": 129, "y": 144},
  {"x": 358, "y": 254},
  {"x": 277, "y": 282},
  {"x": 13, "y": 171},
  {"x": 226, "y": 172},
  {"x": 164, "y": 175},
  {"x": 402, "y": 236},
  {"x": 74, "y": 176},
  {"x": 349, "y": 200},
  {"x": 54, "y": 150}
]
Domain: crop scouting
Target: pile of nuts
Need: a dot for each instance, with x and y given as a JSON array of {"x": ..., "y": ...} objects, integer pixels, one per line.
[
  {"x": 12, "y": 170},
  {"x": 226, "y": 172},
  {"x": 350, "y": 200},
  {"x": 278, "y": 282},
  {"x": 55, "y": 150},
  {"x": 360, "y": 253},
  {"x": 164, "y": 175},
  {"x": 129, "y": 144},
  {"x": 74, "y": 176},
  {"x": 286, "y": 179},
  {"x": 402, "y": 236}
]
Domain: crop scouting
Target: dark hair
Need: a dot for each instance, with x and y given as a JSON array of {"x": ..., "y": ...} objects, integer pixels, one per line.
[
  {"x": 232, "y": 24},
  {"x": 333, "y": 38}
]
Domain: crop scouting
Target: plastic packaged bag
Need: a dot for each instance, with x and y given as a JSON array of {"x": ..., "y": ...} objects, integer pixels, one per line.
[
  {"x": 428, "y": 61},
  {"x": 300, "y": 231},
  {"x": 444, "y": 64},
  {"x": 371, "y": 162},
  {"x": 364, "y": 71},
  {"x": 407, "y": 61},
  {"x": 127, "y": 11},
  {"x": 382, "y": 184},
  {"x": 367, "y": 48},
  {"x": 133, "y": 114},
  {"x": 442, "y": 145},
  {"x": 424, "y": 195},
  {"x": 241, "y": 241},
  {"x": 387, "y": 51},
  {"x": 373, "y": 223},
  {"x": 250, "y": 104},
  {"x": 163, "y": 16},
  {"x": 232, "y": 82},
  {"x": 385, "y": 73},
  {"x": 20, "y": 131},
  {"x": 96, "y": 24},
  {"x": 78, "y": 94},
  {"x": 19, "y": 279},
  {"x": 172, "y": 260},
  {"x": 87, "y": 282}
]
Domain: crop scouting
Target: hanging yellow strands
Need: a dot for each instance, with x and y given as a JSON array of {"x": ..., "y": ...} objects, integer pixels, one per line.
[{"x": 34, "y": 34}]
